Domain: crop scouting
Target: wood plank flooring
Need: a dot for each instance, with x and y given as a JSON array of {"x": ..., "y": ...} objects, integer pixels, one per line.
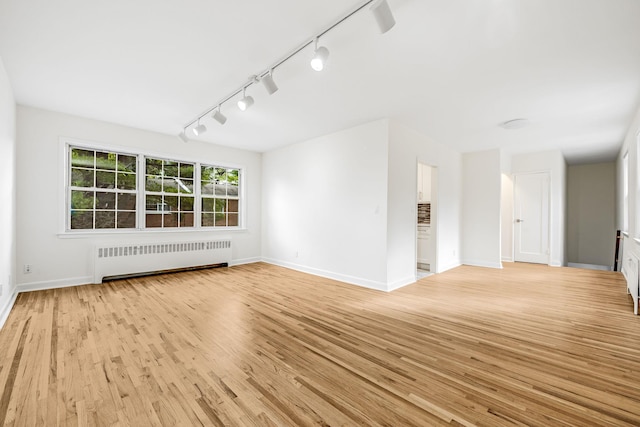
[{"x": 259, "y": 345}]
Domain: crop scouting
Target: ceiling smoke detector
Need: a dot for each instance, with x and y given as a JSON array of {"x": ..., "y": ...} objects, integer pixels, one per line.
[{"x": 514, "y": 124}]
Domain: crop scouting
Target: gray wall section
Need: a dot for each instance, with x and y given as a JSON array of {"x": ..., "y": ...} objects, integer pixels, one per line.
[{"x": 591, "y": 193}]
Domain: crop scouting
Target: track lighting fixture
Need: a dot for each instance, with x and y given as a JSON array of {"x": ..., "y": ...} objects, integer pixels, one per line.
[
  {"x": 384, "y": 18},
  {"x": 199, "y": 129},
  {"x": 218, "y": 116},
  {"x": 320, "y": 56},
  {"x": 183, "y": 137},
  {"x": 268, "y": 83},
  {"x": 246, "y": 101}
]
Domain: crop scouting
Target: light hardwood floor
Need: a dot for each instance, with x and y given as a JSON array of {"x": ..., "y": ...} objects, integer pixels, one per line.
[{"x": 262, "y": 345}]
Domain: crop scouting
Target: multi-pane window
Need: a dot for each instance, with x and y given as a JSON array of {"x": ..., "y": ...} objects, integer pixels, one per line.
[
  {"x": 102, "y": 190},
  {"x": 219, "y": 189},
  {"x": 169, "y": 193},
  {"x": 109, "y": 190}
]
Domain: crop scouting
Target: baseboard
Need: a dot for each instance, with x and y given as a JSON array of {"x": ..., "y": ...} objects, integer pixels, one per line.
[
  {"x": 507, "y": 259},
  {"x": 591, "y": 266},
  {"x": 401, "y": 283},
  {"x": 478, "y": 263},
  {"x": 378, "y": 286},
  {"x": 450, "y": 266},
  {"x": 244, "y": 261},
  {"x": 4, "y": 311},
  {"x": 54, "y": 284}
]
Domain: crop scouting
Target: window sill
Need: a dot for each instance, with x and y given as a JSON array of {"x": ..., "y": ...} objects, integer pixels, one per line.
[{"x": 101, "y": 234}]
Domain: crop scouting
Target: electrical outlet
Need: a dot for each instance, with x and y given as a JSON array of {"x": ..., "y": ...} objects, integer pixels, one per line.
[{"x": 28, "y": 268}]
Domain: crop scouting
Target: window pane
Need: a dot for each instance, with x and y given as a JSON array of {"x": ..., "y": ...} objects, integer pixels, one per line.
[
  {"x": 126, "y": 219},
  {"x": 105, "y": 219},
  {"x": 154, "y": 203},
  {"x": 171, "y": 219},
  {"x": 233, "y": 220},
  {"x": 221, "y": 205},
  {"x": 126, "y": 201},
  {"x": 81, "y": 220},
  {"x": 220, "y": 220},
  {"x": 105, "y": 160},
  {"x": 81, "y": 177},
  {"x": 154, "y": 166},
  {"x": 186, "y": 185},
  {"x": 153, "y": 183},
  {"x": 172, "y": 203},
  {"x": 153, "y": 220},
  {"x": 220, "y": 189},
  {"x": 105, "y": 179},
  {"x": 232, "y": 176},
  {"x": 186, "y": 204},
  {"x": 186, "y": 170},
  {"x": 207, "y": 205},
  {"x": 127, "y": 181},
  {"x": 206, "y": 188},
  {"x": 170, "y": 168},
  {"x": 232, "y": 190},
  {"x": 206, "y": 173},
  {"x": 207, "y": 220},
  {"x": 186, "y": 219},
  {"x": 126, "y": 163},
  {"x": 105, "y": 201},
  {"x": 82, "y": 158},
  {"x": 232, "y": 205},
  {"x": 82, "y": 199},
  {"x": 220, "y": 175},
  {"x": 170, "y": 185}
]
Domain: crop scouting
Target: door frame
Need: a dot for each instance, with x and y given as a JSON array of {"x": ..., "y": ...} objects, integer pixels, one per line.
[
  {"x": 547, "y": 172},
  {"x": 433, "y": 240}
]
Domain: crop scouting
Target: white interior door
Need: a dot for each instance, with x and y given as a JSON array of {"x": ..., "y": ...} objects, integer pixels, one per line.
[{"x": 531, "y": 228}]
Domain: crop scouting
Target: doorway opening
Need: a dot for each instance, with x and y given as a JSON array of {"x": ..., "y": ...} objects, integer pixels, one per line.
[{"x": 426, "y": 232}]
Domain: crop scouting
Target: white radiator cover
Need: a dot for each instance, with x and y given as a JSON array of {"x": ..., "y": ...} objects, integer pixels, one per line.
[
  {"x": 630, "y": 272},
  {"x": 136, "y": 258}
]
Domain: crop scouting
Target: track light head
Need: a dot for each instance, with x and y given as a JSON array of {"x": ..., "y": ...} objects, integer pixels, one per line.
[
  {"x": 219, "y": 117},
  {"x": 269, "y": 84},
  {"x": 183, "y": 137},
  {"x": 384, "y": 18},
  {"x": 200, "y": 129},
  {"x": 319, "y": 57},
  {"x": 246, "y": 101}
]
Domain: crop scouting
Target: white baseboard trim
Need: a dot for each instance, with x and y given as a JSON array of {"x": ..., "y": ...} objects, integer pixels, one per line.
[
  {"x": 450, "y": 266},
  {"x": 244, "y": 261},
  {"x": 401, "y": 283},
  {"x": 378, "y": 286},
  {"x": 54, "y": 284},
  {"x": 507, "y": 259},
  {"x": 478, "y": 263},
  {"x": 555, "y": 263},
  {"x": 4, "y": 311}
]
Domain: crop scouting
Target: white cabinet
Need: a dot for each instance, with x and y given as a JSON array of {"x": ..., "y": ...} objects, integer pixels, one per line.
[
  {"x": 424, "y": 183},
  {"x": 424, "y": 244}
]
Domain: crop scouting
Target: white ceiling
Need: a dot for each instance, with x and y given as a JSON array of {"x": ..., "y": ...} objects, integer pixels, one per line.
[{"x": 451, "y": 69}]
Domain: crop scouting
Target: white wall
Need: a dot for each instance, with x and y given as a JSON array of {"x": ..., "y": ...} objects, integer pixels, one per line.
[
  {"x": 553, "y": 162},
  {"x": 325, "y": 205},
  {"x": 7, "y": 194},
  {"x": 591, "y": 214},
  {"x": 481, "y": 217},
  {"x": 407, "y": 148},
  {"x": 60, "y": 261}
]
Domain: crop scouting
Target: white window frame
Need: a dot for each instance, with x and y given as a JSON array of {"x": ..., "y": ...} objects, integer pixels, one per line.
[{"x": 64, "y": 192}]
